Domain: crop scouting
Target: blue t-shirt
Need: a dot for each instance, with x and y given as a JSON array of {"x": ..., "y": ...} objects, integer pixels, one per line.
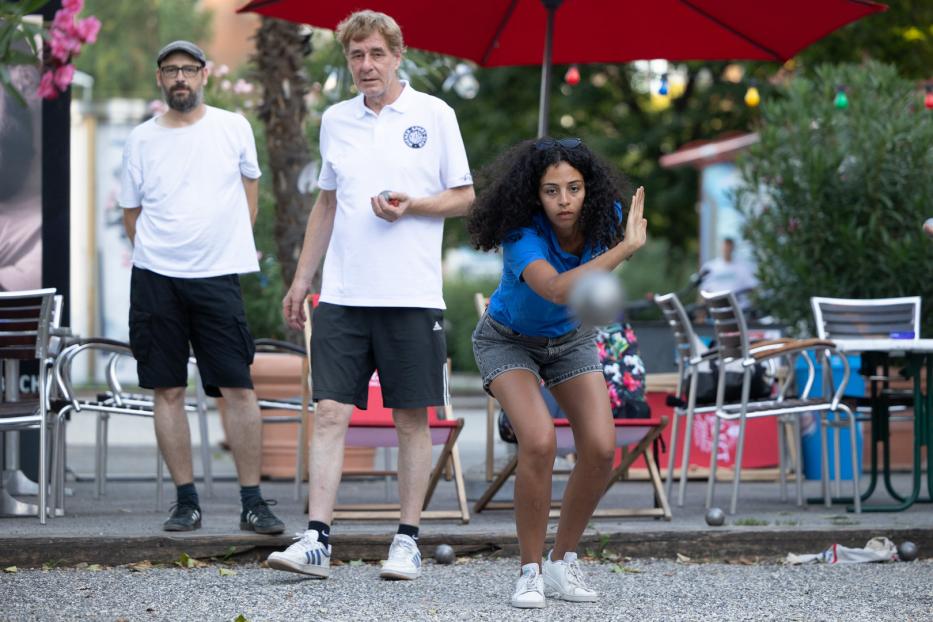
[{"x": 514, "y": 303}]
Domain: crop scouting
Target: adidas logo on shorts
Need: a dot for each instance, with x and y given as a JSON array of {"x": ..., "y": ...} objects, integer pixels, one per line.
[{"x": 437, "y": 326}]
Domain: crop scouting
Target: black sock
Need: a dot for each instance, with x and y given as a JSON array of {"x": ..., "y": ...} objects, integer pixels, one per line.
[
  {"x": 408, "y": 530},
  {"x": 250, "y": 495},
  {"x": 187, "y": 494},
  {"x": 322, "y": 529}
]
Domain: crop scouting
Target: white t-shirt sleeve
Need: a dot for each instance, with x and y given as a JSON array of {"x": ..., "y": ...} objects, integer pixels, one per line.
[
  {"x": 249, "y": 162},
  {"x": 327, "y": 180},
  {"x": 455, "y": 170},
  {"x": 130, "y": 178}
]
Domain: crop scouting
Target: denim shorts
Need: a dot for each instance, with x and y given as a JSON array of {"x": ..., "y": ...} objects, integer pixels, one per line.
[{"x": 498, "y": 349}]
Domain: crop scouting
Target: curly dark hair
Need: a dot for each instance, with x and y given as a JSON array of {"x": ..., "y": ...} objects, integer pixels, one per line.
[{"x": 508, "y": 196}]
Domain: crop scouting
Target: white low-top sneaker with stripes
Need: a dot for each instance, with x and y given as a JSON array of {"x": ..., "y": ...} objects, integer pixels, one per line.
[
  {"x": 404, "y": 559},
  {"x": 306, "y": 556},
  {"x": 529, "y": 589},
  {"x": 563, "y": 579}
]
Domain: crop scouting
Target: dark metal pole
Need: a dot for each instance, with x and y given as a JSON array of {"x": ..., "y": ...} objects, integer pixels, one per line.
[{"x": 544, "y": 105}]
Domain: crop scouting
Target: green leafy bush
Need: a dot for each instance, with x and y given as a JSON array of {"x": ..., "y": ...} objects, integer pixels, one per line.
[{"x": 835, "y": 196}]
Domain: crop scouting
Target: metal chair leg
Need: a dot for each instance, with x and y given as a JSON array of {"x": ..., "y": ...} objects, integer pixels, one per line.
[
  {"x": 713, "y": 461},
  {"x": 799, "y": 445},
  {"x": 824, "y": 446},
  {"x": 672, "y": 452},
  {"x": 782, "y": 453},
  {"x": 737, "y": 477},
  {"x": 853, "y": 431}
]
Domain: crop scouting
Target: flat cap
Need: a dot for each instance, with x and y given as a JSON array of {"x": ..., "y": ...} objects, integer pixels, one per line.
[{"x": 182, "y": 46}]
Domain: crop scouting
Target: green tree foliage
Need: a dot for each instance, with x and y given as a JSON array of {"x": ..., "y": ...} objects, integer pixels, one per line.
[
  {"x": 122, "y": 62},
  {"x": 835, "y": 197},
  {"x": 901, "y": 36}
]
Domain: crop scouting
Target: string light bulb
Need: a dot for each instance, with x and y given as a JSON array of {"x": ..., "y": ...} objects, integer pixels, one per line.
[
  {"x": 841, "y": 102},
  {"x": 663, "y": 89},
  {"x": 572, "y": 77},
  {"x": 752, "y": 97}
]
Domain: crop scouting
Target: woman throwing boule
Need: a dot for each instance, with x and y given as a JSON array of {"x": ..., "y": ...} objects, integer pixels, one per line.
[{"x": 555, "y": 209}]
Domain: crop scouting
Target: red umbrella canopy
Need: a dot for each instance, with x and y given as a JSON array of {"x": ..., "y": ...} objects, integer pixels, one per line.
[
  {"x": 512, "y": 32},
  {"x": 531, "y": 32}
]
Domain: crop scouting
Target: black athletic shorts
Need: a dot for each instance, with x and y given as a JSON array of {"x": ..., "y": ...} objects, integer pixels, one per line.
[
  {"x": 167, "y": 314},
  {"x": 406, "y": 346}
]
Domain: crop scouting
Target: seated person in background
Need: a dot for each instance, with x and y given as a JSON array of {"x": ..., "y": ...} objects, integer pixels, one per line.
[{"x": 729, "y": 273}]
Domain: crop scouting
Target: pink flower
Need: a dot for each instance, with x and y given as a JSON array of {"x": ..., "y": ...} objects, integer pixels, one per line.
[
  {"x": 62, "y": 20},
  {"x": 63, "y": 45},
  {"x": 225, "y": 85},
  {"x": 73, "y": 6},
  {"x": 221, "y": 71},
  {"x": 46, "y": 88},
  {"x": 87, "y": 29},
  {"x": 629, "y": 381},
  {"x": 242, "y": 87},
  {"x": 63, "y": 77}
]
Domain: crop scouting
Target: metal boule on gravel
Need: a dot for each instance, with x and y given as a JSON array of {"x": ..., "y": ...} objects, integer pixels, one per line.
[
  {"x": 444, "y": 554},
  {"x": 715, "y": 517},
  {"x": 907, "y": 551}
]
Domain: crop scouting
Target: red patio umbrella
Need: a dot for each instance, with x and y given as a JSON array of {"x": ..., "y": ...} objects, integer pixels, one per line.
[{"x": 528, "y": 32}]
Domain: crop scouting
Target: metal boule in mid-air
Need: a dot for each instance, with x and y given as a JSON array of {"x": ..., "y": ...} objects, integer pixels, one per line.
[
  {"x": 444, "y": 554},
  {"x": 907, "y": 551},
  {"x": 596, "y": 298},
  {"x": 715, "y": 517}
]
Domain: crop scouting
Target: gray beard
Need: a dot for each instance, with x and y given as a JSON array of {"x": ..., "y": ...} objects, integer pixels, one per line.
[{"x": 183, "y": 104}]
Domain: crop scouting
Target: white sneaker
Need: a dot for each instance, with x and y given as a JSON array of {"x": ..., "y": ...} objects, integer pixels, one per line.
[
  {"x": 404, "y": 559},
  {"x": 563, "y": 579},
  {"x": 306, "y": 556},
  {"x": 529, "y": 589}
]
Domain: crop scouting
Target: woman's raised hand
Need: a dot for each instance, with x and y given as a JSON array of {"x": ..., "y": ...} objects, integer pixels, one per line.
[{"x": 636, "y": 227}]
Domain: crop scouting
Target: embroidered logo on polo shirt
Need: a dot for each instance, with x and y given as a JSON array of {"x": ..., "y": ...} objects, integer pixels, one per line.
[{"x": 416, "y": 136}]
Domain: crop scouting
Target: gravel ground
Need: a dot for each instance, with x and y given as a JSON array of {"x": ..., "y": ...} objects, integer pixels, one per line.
[{"x": 472, "y": 589}]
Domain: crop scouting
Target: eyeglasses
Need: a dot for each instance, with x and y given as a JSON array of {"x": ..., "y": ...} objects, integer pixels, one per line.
[
  {"x": 171, "y": 71},
  {"x": 547, "y": 142}
]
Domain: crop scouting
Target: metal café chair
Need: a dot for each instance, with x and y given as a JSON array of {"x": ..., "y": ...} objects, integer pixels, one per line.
[
  {"x": 866, "y": 319},
  {"x": 28, "y": 323},
  {"x": 733, "y": 345},
  {"x": 116, "y": 401}
]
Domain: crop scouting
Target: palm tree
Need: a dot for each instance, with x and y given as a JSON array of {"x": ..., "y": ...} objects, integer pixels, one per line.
[{"x": 281, "y": 48}]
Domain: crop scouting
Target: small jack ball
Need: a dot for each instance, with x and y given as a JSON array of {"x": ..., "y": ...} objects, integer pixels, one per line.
[
  {"x": 444, "y": 554},
  {"x": 715, "y": 517},
  {"x": 928, "y": 227},
  {"x": 907, "y": 551}
]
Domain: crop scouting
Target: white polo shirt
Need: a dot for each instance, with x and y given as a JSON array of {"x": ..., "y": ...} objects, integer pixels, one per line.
[
  {"x": 194, "y": 221},
  {"x": 413, "y": 146}
]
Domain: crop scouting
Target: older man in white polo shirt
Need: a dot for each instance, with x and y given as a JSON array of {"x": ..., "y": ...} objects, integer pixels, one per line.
[{"x": 393, "y": 167}]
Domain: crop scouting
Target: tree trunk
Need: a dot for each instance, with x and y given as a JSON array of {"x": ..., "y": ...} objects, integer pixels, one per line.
[{"x": 280, "y": 51}]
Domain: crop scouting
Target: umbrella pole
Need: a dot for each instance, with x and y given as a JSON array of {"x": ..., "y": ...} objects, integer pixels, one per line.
[{"x": 544, "y": 104}]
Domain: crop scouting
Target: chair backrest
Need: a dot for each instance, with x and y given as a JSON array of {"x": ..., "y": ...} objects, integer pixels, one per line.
[
  {"x": 728, "y": 324},
  {"x": 685, "y": 339},
  {"x": 25, "y": 318},
  {"x": 871, "y": 318}
]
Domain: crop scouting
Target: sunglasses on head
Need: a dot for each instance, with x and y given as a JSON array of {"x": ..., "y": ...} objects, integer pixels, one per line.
[{"x": 549, "y": 143}]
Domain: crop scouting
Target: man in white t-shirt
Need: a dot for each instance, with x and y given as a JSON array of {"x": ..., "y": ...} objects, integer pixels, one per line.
[
  {"x": 190, "y": 190},
  {"x": 728, "y": 273},
  {"x": 393, "y": 166}
]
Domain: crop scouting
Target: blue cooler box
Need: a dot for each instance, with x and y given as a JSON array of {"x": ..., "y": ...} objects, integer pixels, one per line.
[{"x": 810, "y": 430}]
